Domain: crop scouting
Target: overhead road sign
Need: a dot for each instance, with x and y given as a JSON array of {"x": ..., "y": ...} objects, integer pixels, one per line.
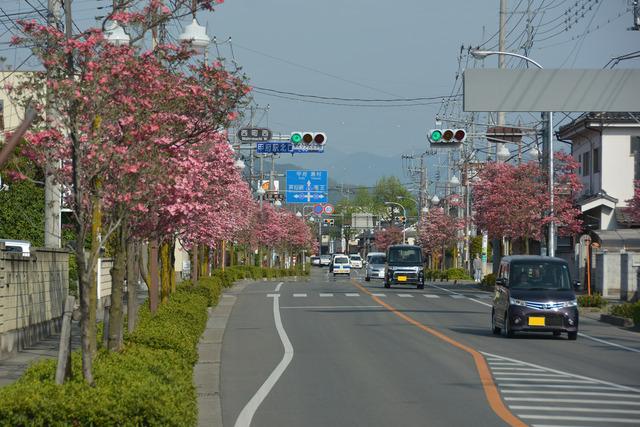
[
  {"x": 527, "y": 90},
  {"x": 254, "y": 134},
  {"x": 307, "y": 186},
  {"x": 271, "y": 147}
]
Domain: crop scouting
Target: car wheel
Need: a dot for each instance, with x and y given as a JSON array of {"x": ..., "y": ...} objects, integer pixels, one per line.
[
  {"x": 572, "y": 336},
  {"x": 494, "y": 328},
  {"x": 421, "y": 286},
  {"x": 508, "y": 332}
]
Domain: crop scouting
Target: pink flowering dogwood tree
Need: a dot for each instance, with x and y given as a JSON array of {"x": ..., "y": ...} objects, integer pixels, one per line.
[{"x": 438, "y": 231}]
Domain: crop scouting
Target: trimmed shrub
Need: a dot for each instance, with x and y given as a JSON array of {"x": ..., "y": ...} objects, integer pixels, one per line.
[
  {"x": 594, "y": 300},
  {"x": 457, "y": 274},
  {"x": 488, "y": 281},
  {"x": 626, "y": 310}
]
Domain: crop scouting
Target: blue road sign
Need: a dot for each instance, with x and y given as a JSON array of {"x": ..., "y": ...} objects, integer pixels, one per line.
[
  {"x": 270, "y": 147},
  {"x": 307, "y": 186}
]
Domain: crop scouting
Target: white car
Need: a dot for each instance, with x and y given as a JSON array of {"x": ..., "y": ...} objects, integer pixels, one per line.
[
  {"x": 341, "y": 265},
  {"x": 355, "y": 260}
]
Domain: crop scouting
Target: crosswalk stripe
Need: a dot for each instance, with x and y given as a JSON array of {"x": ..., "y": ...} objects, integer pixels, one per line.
[
  {"x": 405, "y": 295},
  {"x": 299, "y": 295},
  {"x": 431, "y": 296},
  {"x": 379, "y": 295},
  {"x": 456, "y": 296},
  {"x": 352, "y": 295},
  {"x": 326, "y": 295}
]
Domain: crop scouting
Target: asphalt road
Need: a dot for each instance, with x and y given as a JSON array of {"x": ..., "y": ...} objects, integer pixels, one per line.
[{"x": 325, "y": 352}]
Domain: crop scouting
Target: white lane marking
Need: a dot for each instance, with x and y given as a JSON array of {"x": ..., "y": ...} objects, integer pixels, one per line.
[
  {"x": 331, "y": 307},
  {"x": 326, "y": 295},
  {"x": 299, "y": 295},
  {"x": 458, "y": 296},
  {"x": 272, "y": 295},
  {"x": 379, "y": 295},
  {"x": 610, "y": 384},
  {"x": 565, "y": 409},
  {"x": 588, "y": 419},
  {"x": 278, "y": 287},
  {"x": 635, "y": 350},
  {"x": 249, "y": 410},
  {"x": 554, "y": 400},
  {"x": 560, "y": 386},
  {"x": 577, "y": 393},
  {"x": 405, "y": 295},
  {"x": 462, "y": 296},
  {"x": 517, "y": 369},
  {"x": 542, "y": 380},
  {"x": 352, "y": 295},
  {"x": 431, "y": 296},
  {"x": 539, "y": 373}
]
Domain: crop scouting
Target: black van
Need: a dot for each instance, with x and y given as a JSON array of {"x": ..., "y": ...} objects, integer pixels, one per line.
[
  {"x": 534, "y": 293},
  {"x": 404, "y": 266}
]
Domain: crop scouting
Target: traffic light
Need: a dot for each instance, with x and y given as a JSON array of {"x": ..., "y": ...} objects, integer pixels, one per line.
[
  {"x": 319, "y": 138},
  {"x": 447, "y": 136},
  {"x": 328, "y": 221},
  {"x": 402, "y": 219}
]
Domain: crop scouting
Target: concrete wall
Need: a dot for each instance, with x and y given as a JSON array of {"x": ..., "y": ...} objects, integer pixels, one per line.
[
  {"x": 616, "y": 275},
  {"x": 32, "y": 295}
]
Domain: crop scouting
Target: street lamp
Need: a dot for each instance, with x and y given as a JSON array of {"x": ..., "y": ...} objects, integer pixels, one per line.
[
  {"x": 277, "y": 203},
  {"x": 196, "y": 36},
  {"x": 435, "y": 199},
  {"x": 481, "y": 54},
  {"x": 116, "y": 35},
  {"x": 404, "y": 212},
  {"x": 299, "y": 214}
]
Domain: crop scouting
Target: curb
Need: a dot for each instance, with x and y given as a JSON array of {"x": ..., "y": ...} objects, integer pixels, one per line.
[
  {"x": 616, "y": 320},
  {"x": 206, "y": 373}
]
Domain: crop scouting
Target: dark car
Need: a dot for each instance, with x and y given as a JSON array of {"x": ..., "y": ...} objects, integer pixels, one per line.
[
  {"x": 535, "y": 293},
  {"x": 404, "y": 266}
]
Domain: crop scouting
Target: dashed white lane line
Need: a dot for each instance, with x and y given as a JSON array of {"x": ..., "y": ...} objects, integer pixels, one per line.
[
  {"x": 453, "y": 294},
  {"x": 325, "y": 295},
  {"x": 405, "y": 295},
  {"x": 352, "y": 295},
  {"x": 249, "y": 410},
  {"x": 431, "y": 296},
  {"x": 299, "y": 295},
  {"x": 457, "y": 296},
  {"x": 379, "y": 295}
]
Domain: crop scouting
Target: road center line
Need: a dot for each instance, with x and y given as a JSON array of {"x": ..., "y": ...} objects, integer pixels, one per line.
[
  {"x": 249, "y": 410},
  {"x": 488, "y": 385}
]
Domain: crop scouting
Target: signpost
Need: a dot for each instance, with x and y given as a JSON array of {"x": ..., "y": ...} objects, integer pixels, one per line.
[
  {"x": 307, "y": 186},
  {"x": 271, "y": 147},
  {"x": 254, "y": 134}
]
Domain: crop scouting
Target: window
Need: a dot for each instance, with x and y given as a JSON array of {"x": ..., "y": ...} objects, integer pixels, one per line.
[
  {"x": 635, "y": 152},
  {"x": 596, "y": 160},
  {"x": 586, "y": 159},
  {"x": 580, "y": 164}
]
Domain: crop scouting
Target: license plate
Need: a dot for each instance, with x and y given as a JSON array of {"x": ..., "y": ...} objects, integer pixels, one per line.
[
  {"x": 536, "y": 321},
  {"x": 402, "y": 278}
]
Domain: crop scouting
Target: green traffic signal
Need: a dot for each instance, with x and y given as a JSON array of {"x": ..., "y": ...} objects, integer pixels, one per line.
[
  {"x": 436, "y": 135},
  {"x": 296, "y": 137}
]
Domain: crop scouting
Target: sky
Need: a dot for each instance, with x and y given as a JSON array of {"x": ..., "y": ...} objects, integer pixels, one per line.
[{"x": 381, "y": 50}]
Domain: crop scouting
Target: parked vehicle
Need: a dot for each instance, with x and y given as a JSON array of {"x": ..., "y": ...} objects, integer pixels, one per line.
[
  {"x": 356, "y": 261},
  {"x": 534, "y": 293},
  {"x": 375, "y": 266},
  {"x": 315, "y": 260},
  {"x": 404, "y": 266},
  {"x": 325, "y": 260},
  {"x": 341, "y": 265},
  {"x": 17, "y": 246}
]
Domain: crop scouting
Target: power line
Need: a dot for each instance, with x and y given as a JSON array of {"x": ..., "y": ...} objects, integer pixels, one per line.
[{"x": 346, "y": 104}]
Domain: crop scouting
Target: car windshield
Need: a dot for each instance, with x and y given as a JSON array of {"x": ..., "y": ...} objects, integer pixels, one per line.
[
  {"x": 405, "y": 256},
  {"x": 539, "y": 276},
  {"x": 376, "y": 259},
  {"x": 355, "y": 258},
  {"x": 325, "y": 256},
  {"x": 341, "y": 260}
]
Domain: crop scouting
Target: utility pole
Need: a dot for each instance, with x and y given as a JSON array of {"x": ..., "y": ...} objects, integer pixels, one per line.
[
  {"x": 501, "y": 63},
  {"x": 52, "y": 190}
]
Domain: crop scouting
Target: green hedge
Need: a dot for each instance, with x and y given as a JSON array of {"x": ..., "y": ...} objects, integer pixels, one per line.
[
  {"x": 594, "y": 300},
  {"x": 148, "y": 383},
  {"x": 488, "y": 281},
  {"x": 450, "y": 274},
  {"x": 628, "y": 310}
]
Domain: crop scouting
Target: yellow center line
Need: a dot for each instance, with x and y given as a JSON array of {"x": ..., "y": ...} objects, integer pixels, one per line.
[{"x": 488, "y": 385}]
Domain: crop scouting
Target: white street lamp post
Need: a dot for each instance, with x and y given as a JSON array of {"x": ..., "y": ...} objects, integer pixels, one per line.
[{"x": 481, "y": 54}]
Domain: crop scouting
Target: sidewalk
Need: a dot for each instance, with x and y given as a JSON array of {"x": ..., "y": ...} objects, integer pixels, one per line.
[{"x": 13, "y": 367}]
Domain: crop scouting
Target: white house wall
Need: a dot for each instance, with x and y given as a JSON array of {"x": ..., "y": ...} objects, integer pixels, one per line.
[{"x": 618, "y": 164}]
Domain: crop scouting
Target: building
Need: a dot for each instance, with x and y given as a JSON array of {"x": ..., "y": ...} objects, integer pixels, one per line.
[
  {"x": 11, "y": 114},
  {"x": 607, "y": 149}
]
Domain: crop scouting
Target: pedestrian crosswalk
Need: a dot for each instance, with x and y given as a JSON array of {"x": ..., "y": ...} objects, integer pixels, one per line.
[
  {"x": 379, "y": 295},
  {"x": 543, "y": 397}
]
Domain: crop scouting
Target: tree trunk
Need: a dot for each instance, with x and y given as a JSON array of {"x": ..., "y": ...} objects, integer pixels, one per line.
[
  {"x": 194, "y": 264},
  {"x": 172, "y": 265},
  {"x": 153, "y": 274},
  {"x": 96, "y": 226},
  {"x": 132, "y": 285},
  {"x": 223, "y": 254},
  {"x": 165, "y": 272},
  {"x": 204, "y": 260},
  {"x": 116, "y": 312}
]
